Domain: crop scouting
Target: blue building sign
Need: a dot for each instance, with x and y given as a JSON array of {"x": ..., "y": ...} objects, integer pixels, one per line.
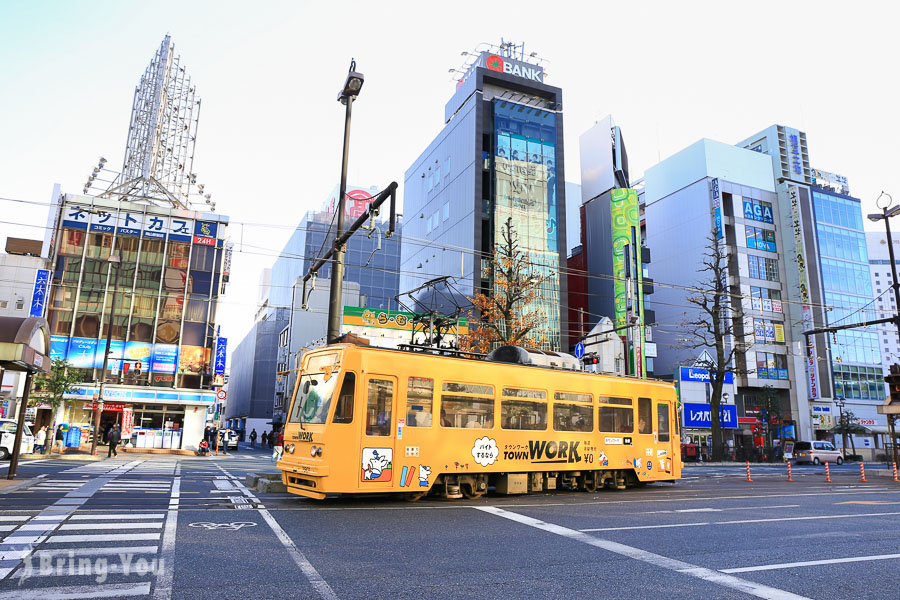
[
  {"x": 39, "y": 297},
  {"x": 221, "y": 351},
  {"x": 698, "y": 416},
  {"x": 702, "y": 375}
]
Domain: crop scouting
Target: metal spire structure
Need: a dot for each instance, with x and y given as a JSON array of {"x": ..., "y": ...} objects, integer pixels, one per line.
[{"x": 159, "y": 153}]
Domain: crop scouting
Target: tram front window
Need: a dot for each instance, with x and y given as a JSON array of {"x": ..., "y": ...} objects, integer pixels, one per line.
[{"x": 313, "y": 398}]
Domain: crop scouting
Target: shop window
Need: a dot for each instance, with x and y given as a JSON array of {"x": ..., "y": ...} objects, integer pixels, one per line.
[
  {"x": 99, "y": 245},
  {"x": 645, "y": 416},
  {"x": 343, "y": 412},
  {"x": 379, "y": 407},
  {"x": 60, "y": 320},
  {"x": 72, "y": 241},
  {"x": 419, "y": 401}
]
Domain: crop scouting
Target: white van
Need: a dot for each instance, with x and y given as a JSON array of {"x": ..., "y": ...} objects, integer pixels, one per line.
[
  {"x": 817, "y": 453},
  {"x": 8, "y": 438}
]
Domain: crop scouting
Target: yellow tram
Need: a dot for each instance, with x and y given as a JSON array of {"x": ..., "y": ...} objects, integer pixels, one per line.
[{"x": 367, "y": 419}]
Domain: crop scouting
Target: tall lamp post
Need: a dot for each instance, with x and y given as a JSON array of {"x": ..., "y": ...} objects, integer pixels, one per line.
[
  {"x": 840, "y": 404},
  {"x": 115, "y": 263},
  {"x": 347, "y": 95},
  {"x": 886, "y": 213}
]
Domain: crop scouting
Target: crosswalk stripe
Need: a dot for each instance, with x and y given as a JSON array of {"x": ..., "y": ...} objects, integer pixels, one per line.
[
  {"x": 67, "y": 552},
  {"x": 7, "y": 518},
  {"x": 112, "y": 537},
  {"x": 72, "y": 592},
  {"x": 90, "y": 517},
  {"x": 100, "y": 526}
]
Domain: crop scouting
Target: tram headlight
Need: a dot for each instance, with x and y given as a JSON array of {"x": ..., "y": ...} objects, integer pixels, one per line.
[
  {"x": 319, "y": 451},
  {"x": 289, "y": 448},
  {"x": 312, "y": 451}
]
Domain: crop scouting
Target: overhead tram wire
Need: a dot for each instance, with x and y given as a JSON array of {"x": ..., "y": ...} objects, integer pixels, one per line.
[{"x": 424, "y": 243}]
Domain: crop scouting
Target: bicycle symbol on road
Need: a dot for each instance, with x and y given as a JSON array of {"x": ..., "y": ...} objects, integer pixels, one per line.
[{"x": 226, "y": 526}]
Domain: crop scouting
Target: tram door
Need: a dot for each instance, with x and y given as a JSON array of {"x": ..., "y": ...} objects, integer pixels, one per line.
[
  {"x": 666, "y": 442},
  {"x": 377, "y": 440}
]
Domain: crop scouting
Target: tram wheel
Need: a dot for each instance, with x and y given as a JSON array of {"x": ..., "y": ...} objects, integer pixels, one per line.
[
  {"x": 414, "y": 496},
  {"x": 469, "y": 492},
  {"x": 589, "y": 484}
]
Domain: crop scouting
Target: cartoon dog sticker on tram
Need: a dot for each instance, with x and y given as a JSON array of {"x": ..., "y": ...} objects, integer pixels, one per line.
[{"x": 377, "y": 464}]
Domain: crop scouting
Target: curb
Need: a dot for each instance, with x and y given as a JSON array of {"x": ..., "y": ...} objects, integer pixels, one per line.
[{"x": 17, "y": 485}]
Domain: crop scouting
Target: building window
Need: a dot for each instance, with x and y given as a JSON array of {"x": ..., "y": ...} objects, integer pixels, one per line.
[
  {"x": 446, "y": 167},
  {"x": 20, "y": 304},
  {"x": 4, "y": 303},
  {"x": 771, "y": 366},
  {"x": 446, "y": 211},
  {"x": 761, "y": 239},
  {"x": 768, "y": 332}
]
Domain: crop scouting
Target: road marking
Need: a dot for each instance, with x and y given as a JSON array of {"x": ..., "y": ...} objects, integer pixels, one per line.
[
  {"x": 318, "y": 583},
  {"x": 735, "y": 583},
  {"x": 165, "y": 579},
  {"x": 744, "y": 521},
  {"x": 107, "y": 516},
  {"x": 67, "y": 552},
  {"x": 811, "y": 563},
  {"x": 101, "y": 537},
  {"x": 109, "y": 590},
  {"x": 99, "y": 526},
  {"x": 7, "y": 518},
  {"x": 867, "y": 502}
]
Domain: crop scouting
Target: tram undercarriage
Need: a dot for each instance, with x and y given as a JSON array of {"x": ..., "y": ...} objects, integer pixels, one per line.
[{"x": 463, "y": 485}]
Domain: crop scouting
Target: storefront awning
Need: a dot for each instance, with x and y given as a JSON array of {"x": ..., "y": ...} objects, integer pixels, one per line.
[{"x": 876, "y": 429}]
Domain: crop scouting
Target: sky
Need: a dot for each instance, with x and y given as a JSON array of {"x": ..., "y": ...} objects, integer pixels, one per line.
[{"x": 270, "y": 131}]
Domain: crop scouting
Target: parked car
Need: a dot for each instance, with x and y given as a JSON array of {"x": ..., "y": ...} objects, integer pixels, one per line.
[
  {"x": 8, "y": 438},
  {"x": 231, "y": 439},
  {"x": 816, "y": 453}
]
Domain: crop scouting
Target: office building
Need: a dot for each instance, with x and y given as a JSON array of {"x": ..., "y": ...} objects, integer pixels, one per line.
[
  {"x": 498, "y": 157},
  {"x": 714, "y": 190}
]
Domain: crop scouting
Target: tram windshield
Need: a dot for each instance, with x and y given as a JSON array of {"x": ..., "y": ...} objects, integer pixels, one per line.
[{"x": 313, "y": 398}]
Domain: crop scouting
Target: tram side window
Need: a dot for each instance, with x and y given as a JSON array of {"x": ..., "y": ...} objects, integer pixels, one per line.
[
  {"x": 343, "y": 412},
  {"x": 523, "y": 409},
  {"x": 378, "y": 409},
  {"x": 615, "y": 415},
  {"x": 467, "y": 405},
  {"x": 662, "y": 415},
  {"x": 419, "y": 400},
  {"x": 645, "y": 416},
  {"x": 568, "y": 416}
]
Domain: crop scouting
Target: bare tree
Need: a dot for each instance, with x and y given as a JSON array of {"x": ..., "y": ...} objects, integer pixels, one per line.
[
  {"x": 718, "y": 317},
  {"x": 507, "y": 315}
]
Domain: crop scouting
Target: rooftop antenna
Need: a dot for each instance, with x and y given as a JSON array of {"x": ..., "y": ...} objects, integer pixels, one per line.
[{"x": 159, "y": 152}]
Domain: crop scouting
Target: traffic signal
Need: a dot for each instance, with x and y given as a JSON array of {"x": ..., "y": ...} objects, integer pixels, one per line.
[
  {"x": 893, "y": 381},
  {"x": 591, "y": 360}
]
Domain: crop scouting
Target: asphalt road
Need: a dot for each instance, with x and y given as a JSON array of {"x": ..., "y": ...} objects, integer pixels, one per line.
[{"x": 184, "y": 527}]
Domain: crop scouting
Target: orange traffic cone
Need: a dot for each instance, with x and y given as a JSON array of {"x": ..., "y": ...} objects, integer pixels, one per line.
[
  {"x": 862, "y": 473},
  {"x": 895, "y": 473},
  {"x": 790, "y": 478},
  {"x": 827, "y": 474},
  {"x": 748, "y": 471}
]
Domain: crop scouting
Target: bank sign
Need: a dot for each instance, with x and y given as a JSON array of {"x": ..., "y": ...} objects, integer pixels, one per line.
[
  {"x": 698, "y": 416},
  {"x": 510, "y": 66},
  {"x": 702, "y": 375}
]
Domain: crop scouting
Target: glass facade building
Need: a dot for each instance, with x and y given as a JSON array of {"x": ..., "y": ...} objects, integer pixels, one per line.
[
  {"x": 844, "y": 262},
  {"x": 499, "y": 156}
]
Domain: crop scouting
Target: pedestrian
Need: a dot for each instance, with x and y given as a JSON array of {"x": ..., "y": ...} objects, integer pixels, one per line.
[
  {"x": 40, "y": 440},
  {"x": 279, "y": 446},
  {"x": 253, "y": 439},
  {"x": 112, "y": 439},
  {"x": 265, "y": 439},
  {"x": 204, "y": 448},
  {"x": 60, "y": 439},
  {"x": 223, "y": 440}
]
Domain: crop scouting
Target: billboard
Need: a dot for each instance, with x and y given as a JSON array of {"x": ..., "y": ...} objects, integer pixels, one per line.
[
  {"x": 698, "y": 416},
  {"x": 629, "y": 299}
]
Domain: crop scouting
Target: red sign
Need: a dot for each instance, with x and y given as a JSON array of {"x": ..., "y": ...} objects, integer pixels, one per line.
[
  {"x": 127, "y": 421},
  {"x": 111, "y": 406},
  {"x": 494, "y": 63},
  {"x": 221, "y": 394},
  {"x": 204, "y": 241},
  {"x": 867, "y": 421},
  {"x": 747, "y": 420}
]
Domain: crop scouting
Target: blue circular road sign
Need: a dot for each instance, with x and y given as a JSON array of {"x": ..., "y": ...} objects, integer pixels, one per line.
[{"x": 579, "y": 350}]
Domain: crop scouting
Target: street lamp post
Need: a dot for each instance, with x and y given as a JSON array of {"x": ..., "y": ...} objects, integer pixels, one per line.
[
  {"x": 840, "y": 404},
  {"x": 352, "y": 86},
  {"x": 115, "y": 262},
  {"x": 886, "y": 213}
]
